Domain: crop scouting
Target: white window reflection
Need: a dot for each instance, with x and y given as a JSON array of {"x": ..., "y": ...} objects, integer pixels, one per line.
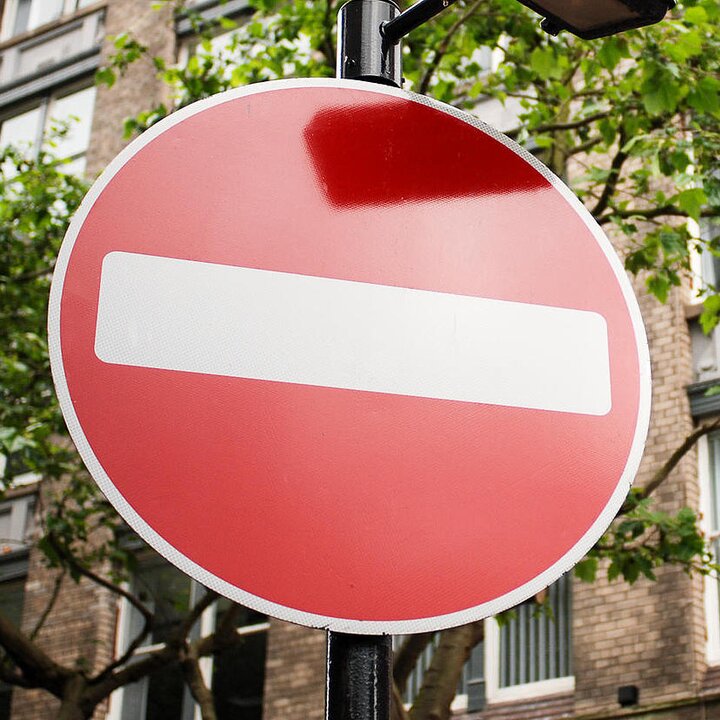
[
  {"x": 61, "y": 122},
  {"x": 25, "y": 15}
]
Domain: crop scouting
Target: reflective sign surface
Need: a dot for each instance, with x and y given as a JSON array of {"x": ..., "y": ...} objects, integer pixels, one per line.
[{"x": 349, "y": 357}]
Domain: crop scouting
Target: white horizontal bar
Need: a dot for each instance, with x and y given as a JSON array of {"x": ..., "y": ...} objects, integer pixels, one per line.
[{"x": 188, "y": 316}]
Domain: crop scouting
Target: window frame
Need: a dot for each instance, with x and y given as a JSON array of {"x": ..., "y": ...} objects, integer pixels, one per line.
[
  {"x": 45, "y": 103},
  {"x": 490, "y": 679},
  {"x": 711, "y": 585},
  {"x": 206, "y": 625},
  {"x": 9, "y": 15},
  {"x": 526, "y": 691}
]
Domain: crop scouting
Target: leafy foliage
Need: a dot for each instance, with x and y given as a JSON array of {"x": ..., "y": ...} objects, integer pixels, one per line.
[
  {"x": 631, "y": 121},
  {"x": 37, "y": 200}
]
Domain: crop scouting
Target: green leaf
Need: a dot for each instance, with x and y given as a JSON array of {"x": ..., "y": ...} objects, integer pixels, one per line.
[
  {"x": 613, "y": 50},
  {"x": 105, "y": 76},
  {"x": 691, "y": 201},
  {"x": 710, "y": 314},
  {"x": 705, "y": 95},
  {"x": 687, "y": 45},
  {"x": 695, "y": 15},
  {"x": 660, "y": 94},
  {"x": 543, "y": 62},
  {"x": 586, "y": 569}
]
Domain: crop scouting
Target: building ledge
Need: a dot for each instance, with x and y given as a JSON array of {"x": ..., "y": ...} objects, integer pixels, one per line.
[
  {"x": 655, "y": 710},
  {"x": 210, "y": 10},
  {"x": 701, "y": 405},
  {"x": 39, "y": 32}
]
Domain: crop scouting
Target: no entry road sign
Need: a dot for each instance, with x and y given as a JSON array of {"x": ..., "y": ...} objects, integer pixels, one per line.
[{"x": 349, "y": 357}]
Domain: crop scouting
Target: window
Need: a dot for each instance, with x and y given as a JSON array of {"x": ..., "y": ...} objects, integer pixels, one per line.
[
  {"x": 23, "y": 15},
  {"x": 470, "y": 694},
  {"x": 12, "y": 595},
  {"x": 709, "y": 459},
  {"x": 236, "y": 674},
  {"x": 529, "y": 656},
  {"x": 35, "y": 125},
  {"x": 16, "y": 522}
]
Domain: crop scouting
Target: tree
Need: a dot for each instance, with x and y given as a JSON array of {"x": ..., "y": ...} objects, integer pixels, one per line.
[{"x": 632, "y": 122}]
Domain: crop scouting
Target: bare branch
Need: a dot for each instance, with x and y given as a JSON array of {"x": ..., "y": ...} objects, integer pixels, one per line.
[
  {"x": 37, "y": 667},
  {"x": 649, "y": 213},
  {"x": 406, "y": 657},
  {"x": 73, "y": 563},
  {"x": 328, "y": 39},
  {"x": 148, "y": 617},
  {"x": 12, "y": 676},
  {"x": 441, "y": 678},
  {"x": 671, "y": 463},
  {"x": 198, "y": 688},
  {"x": 553, "y": 127},
  {"x": 397, "y": 707},
  {"x": 99, "y": 688},
  {"x": 197, "y": 610},
  {"x": 584, "y": 147},
  {"x": 613, "y": 176},
  {"x": 51, "y": 604}
]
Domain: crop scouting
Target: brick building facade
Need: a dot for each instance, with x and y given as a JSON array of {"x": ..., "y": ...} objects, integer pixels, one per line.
[{"x": 663, "y": 637}]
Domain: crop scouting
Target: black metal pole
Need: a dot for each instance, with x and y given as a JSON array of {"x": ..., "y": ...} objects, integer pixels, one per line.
[
  {"x": 416, "y": 15},
  {"x": 362, "y": 52},
  {"x": 358, "y": 677}
]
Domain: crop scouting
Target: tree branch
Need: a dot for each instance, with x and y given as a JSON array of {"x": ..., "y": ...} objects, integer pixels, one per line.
[
  {"x": 99, "y": 688},
  {"x": 584, "y": 147},
  {"x": 613, "y": 177},
  {"x": 196, "y": 611},
  {"x": 148, "y": 617},
  {"x": 406, "y": 657},
  {"x": 649, "y": 213},
  {"x": 397, "y": 706},
  {"x": 198, "y": 688},
  {"x": 73, "y": 563},
  {"x": 441, "y": 678},
  {"x": 444, "y": 46},
  {"x": 553, "y": 127},
  {"x": 671, "y": 463},
  {"x": 328, "y": 40},
  {"x": 12, "y": 676},
  {"x": 51, "y": 604},
  {"x": 37, "y": 667}
]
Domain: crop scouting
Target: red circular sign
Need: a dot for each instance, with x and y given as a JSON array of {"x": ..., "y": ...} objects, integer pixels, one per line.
[{"x": 349, "y": 356}]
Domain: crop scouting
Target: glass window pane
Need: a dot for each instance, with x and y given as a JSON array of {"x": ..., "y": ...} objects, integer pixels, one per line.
[
  {"x": 5, "y": 530},
  {"x": 165, "y": 590},
  {"x": 74, "y": 167},
  {"x": 44, "y": 11},
  {"x": 12, "y": 595},
  {"x": 166, "y": 691},
  {"x": 21, "y": 130},
  {"x": 75, "y": 111},
  {"x": 535, "y": 646},
  {"x": 238, "y": 679},
  {"x": 22, "y": 16}
]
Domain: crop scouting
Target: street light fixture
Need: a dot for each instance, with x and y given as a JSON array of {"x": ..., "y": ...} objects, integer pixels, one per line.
[
  {"x": 369, "y": 31},
  {"x": 590, "y": 19}
]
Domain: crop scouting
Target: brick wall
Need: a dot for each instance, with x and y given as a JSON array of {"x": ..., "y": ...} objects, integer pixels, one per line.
[
  {"x": 139, "y": 88},
  {"x": 649, "y": 634},
  {"x": 78, "y": 630},
  {"x": 294, "y": 673}
]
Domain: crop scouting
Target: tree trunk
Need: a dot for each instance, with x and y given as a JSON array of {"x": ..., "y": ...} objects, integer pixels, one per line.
[{"x": 441, "y": 678}]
